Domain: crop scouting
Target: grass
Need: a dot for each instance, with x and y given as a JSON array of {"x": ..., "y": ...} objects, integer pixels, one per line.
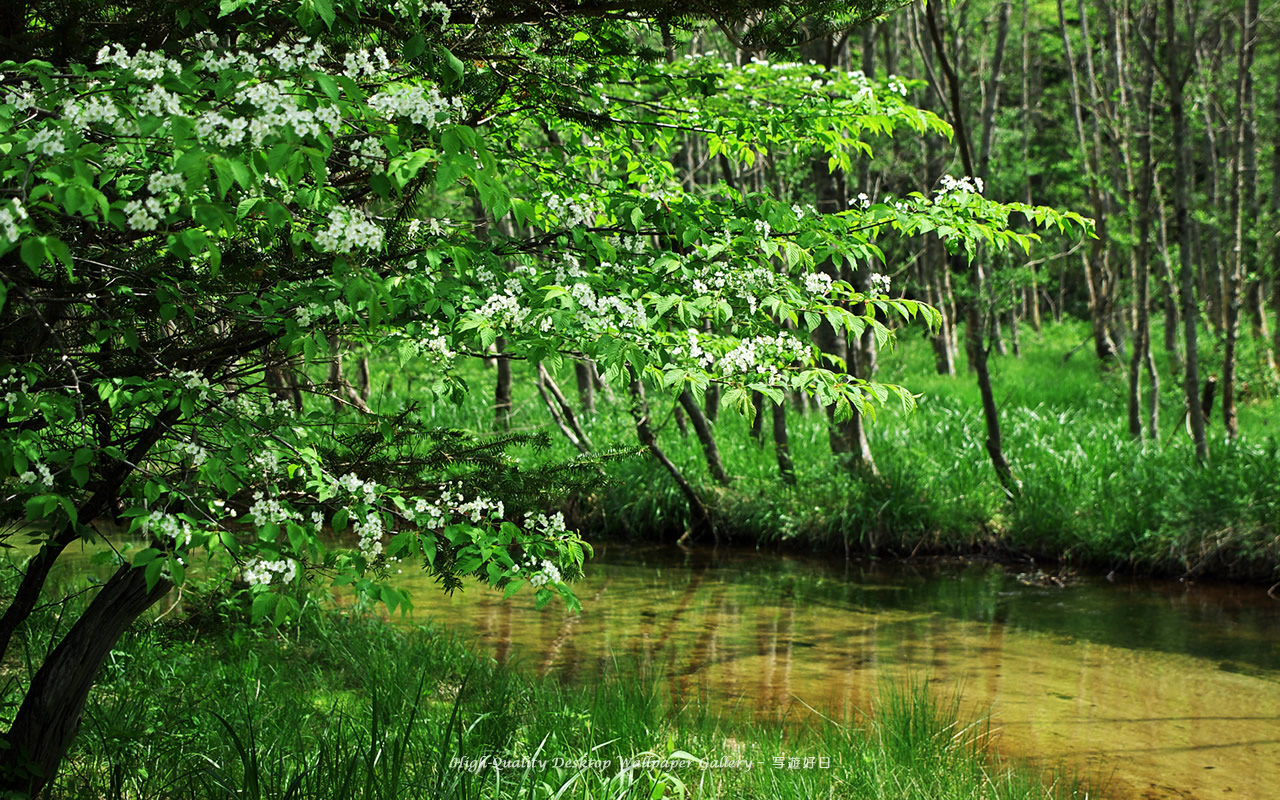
[
  {"x": 1091, "y": 496},
  {"x": 345, "y": 706}
]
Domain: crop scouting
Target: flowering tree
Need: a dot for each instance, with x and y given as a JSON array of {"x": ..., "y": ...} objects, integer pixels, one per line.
[{"x": 182, "y": 225}]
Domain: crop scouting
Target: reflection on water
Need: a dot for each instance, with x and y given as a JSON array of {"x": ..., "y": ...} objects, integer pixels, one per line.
[{"x": 1164, "y": 690}]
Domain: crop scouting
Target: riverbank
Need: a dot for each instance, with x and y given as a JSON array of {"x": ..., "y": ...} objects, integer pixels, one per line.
[
  {"x": 344, "y": 706},
  {"x": 1090, "y": 496}
]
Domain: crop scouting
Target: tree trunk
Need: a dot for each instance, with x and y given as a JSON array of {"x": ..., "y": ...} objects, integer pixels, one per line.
[
  {"x": 1142, "y": 356},
  {"x": 974, "y": 323},
  {"x": 561, "y": 412},
  {"x": 700, "y": 522},
  {"x": 1275, "y": 211},
  {"x": 1176, "y": 79},
  {"x": 1245, "y": 192},
  {"x": 781, "y": 446},
  {"x": 705, "y": 436},
  {"x": 1170, "y": 282},
  {"x": 502, "y": 389},
  {"x": 582, "y": 371},
  {"x": 49, "y": 718},
  {"x": 1032, "y": 294},
  {"x": 1092, "y": 261}
]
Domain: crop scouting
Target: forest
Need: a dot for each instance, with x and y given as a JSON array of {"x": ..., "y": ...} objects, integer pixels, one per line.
[{"x": 318, "y": 314}]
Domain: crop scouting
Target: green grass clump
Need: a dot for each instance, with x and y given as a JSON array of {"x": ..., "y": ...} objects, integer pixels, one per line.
[{"x": 348, "y": 707}]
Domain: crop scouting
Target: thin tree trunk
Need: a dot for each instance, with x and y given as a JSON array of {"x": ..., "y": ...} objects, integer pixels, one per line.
[
  {"x": 1245, "y": 203},
  {"x": 705, "y": 435},
  {"x": 1092, "y": 260},
  {"x": 1142, "y": 356},
  {"x": 700, "y": 518},
  {"x": 1275, "y": 211},
  {"x": 562, "y": 412},
  {"x": 1176, "y": 79},
  {"x": 974, "y": 323},
  {"x": 1032, "y": 293},
  {"x": 1170, "y": 282}
]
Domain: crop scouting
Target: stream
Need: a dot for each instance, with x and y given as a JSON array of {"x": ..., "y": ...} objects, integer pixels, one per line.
[{"x": 1148, "y": 689}]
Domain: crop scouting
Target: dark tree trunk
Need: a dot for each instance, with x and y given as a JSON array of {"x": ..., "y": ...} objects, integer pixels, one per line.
[
  {"x": 49, "y": 718},
  {"x": 781, "y": 446},
  {"x": 582, "y": 371},
  {"x": 1142, "y": 357},
  {"x": 502, "y": 389}
]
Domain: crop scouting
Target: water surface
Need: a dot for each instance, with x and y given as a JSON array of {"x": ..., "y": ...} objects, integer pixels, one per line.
[{"x": 1161, "y": 689}]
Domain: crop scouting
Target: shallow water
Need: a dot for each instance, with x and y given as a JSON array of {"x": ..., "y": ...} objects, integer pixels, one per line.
[{"x": 1150, "y": 689}]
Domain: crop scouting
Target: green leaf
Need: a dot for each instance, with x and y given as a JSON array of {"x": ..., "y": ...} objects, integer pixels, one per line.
[{"x": 263, "y": 604}]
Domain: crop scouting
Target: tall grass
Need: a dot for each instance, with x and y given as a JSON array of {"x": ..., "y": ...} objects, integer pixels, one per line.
[{"x": 352, "y": 708}]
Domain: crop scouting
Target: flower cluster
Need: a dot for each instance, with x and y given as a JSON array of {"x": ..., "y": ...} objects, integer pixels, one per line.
[
  {"x": 879, "y": 283},
  {"x": 546, "y": 572},
  {"x": 190, "y": 379},
  {"x": 144, "y": 215},
  {"x": 46, "y": 476},
  {"x": 222, "y": 131},
  {"x": 965, "y": 185},
  {"x": 47, "y": 141},
  {"x": 360, "y": 63},
  {"x": 198, "y": 454},
  {"x": 169, "y": 527},
  {"x": 145, "y": 64},
  {"x": 422, "y": 106},
  {"x": 261, "y": 573},
  {"x": 349, "y": 229},
  {"x": 90, "y": 111},
  {"x": 297, "y": 55},
  {"x": 368, "y": 153},
  {"x": 481, "y": 509},
  {"x": 762, "y": 354},
  {"x": 11, "y": 216},
  {"x": 352, "y": 483},
  {"x": 370, "y": 532},
  {"x": 817, "y": 283},
  {"x": 22, "y": 97},
  {"x": 267, "y": 511},
  {"x": 571, "y": 212},
  {"x": 278, "y": 110},
  {"x": 547, "y": 525}
]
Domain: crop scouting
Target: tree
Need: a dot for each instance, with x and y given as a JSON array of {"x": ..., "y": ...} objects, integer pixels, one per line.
[{"x": 219, "y": 200}]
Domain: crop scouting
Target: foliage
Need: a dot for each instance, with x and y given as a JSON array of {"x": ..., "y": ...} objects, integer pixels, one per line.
[{"x": 188, "y": 224}]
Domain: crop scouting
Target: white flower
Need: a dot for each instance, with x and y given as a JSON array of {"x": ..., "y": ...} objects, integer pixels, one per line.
[
  {"x": 818, "y": 283},
  {"x": 10, "y": 216},
  {"x": 422, "y": 106},
  {"x": 260, "y": 573},
  {"x": 879, "y": 283},
  {"x": 47, "y": 141},
  {"x": 162, "y": 182},
  {"x": 349, "y": 229}
]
